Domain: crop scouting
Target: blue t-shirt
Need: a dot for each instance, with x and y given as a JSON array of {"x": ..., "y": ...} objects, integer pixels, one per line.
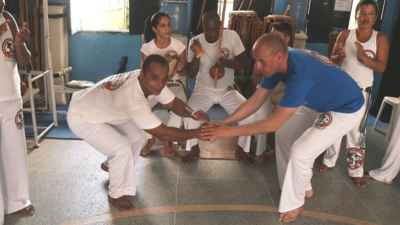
[{"x": 316, "y": 82}]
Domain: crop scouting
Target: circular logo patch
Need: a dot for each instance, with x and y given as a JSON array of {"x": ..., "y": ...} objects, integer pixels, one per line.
[
  {"x": 355, "y": 158},
  {"x": 170, "y": 53},
  {"x": 8, "y": 48},
  {"x": 368, "y": 53},
  {"x": 19, "y": 118},
  {"x": 324, "y": 120},
  {"x": 225, "y": 53}
]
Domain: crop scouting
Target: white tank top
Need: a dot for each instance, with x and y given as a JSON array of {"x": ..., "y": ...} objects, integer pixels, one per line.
[
  {"x": 363, "y": 75},
  {"x": 10, "y": 81}
]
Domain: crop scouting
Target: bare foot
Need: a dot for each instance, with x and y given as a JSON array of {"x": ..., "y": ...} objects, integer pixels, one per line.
[
  {"x": 322, "y": 168},
  {"x": 291, "y": 215},
  {"x": 309, "y": 193},
  {"x": 240, "y": 154},
  {"x": 366, "y": 174},
  {"x": 194, "y": 152},
  {"x": 121, "y": 203},
  {"x": 359, "y": 181},
  {"x": 147, "y": 148},
  {"x": 104, "y": 167},
  {"x": 29, "y": 210},
  {"x": 259, "y": 159},
  {"x": 168, "y": 149}
]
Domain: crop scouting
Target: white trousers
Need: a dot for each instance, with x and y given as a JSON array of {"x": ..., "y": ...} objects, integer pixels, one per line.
[
  {"x": 203, "y": 98},
  {"x": 1, "y": 206},
  {"x": 263, "y": 113},
  {"x": 14, "y": 173},
  {"x": 121, "y": 144},
  {"x": 353, "y": 140},
  {"x": 299, "y": 141},
  {"x": 391, "y": 161},
  {"x": 178, "y": 90}
]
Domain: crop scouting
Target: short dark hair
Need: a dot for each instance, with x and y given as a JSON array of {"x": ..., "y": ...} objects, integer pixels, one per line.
[
  {"x": 210, "y": 15},
  {"x": 153, "y": 58},
  {"x": 368, "y": 2},
  {"x": 151, "y": 22},
  {"x": 284, "y": 27}
]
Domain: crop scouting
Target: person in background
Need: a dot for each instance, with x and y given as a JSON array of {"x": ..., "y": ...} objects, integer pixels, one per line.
[
  {"x": 14, "y": 175},
  {"x": 359, "y": 52}
]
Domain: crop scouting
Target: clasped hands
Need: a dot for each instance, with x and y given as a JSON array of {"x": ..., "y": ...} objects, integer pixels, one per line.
[
  {"x": 210, "y": 130},
  {"x": 22, "y": 35}
]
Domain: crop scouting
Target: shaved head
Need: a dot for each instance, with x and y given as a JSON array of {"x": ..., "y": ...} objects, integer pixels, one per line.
[
  {"x": 211, "y": 26},
  {"x": 271, "y": 43}
]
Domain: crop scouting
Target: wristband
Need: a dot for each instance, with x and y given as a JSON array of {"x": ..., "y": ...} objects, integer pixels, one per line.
[{"x": 181, "y": 71}]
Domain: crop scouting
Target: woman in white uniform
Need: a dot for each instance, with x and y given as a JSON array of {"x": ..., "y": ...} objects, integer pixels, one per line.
[
  {"x": 158, "y": 41},
  {"x": 359, "y": 52},
  {"x": 14, "y": 175}
]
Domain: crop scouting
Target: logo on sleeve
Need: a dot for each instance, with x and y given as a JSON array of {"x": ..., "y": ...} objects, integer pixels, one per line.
[
  {"x": 368, "y": 53},
  {"x": 225, "y": 53},
  {"x": 8, "y": 49},
  {"x": 19, "y": 119},
  {"x": 354, "y": 157},
  {"x": 320, "y": 57},
  {"x": 324, "y": 120},
  {"x": 116, "y": 81}
]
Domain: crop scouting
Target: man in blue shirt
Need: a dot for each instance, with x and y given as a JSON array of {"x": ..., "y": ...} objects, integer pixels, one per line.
[{"x": 321, "y": 103}]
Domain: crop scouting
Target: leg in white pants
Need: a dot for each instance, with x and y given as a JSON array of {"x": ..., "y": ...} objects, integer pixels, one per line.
[
  {"x": 121, "y": 144},
  {"x": 353, "y": 140},
  {"x": 1, "y": 206},
  {"x": 178, "y": 90},
  {"x": 391, "y": 161},
  {"x": 203, "y": 98},
  {"x": 14, "y": 173},
  {"x": 299, "y": 141}
]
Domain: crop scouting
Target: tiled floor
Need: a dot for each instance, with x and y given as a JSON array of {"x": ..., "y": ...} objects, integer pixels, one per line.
[{"x": 68, "y": 186}]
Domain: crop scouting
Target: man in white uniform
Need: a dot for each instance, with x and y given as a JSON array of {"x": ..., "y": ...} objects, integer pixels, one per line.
[
  {"x": 112, "y": 115},
  {"x": 321, "y": 102},
  {"x": 14, "y": 174},
  {"x": 391, "y": 161},
  {"x": 233, "y": 56}
]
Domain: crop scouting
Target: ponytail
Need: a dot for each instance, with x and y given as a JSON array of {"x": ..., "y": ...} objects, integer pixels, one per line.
[{"x": 151, "y": 22}]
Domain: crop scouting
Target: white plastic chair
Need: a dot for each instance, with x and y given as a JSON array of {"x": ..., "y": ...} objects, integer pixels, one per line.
[{"x": 393, "y": 101}]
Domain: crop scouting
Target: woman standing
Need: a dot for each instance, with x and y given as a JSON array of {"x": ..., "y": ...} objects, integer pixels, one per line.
[
  {"x": 359, "y": 52},
  {"x": 158, "y": 41}
]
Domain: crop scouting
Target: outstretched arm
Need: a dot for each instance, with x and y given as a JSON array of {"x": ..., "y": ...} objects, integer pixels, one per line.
[
  {"x": 181, "y": 109},
  {"x": 165, "y": 133}
]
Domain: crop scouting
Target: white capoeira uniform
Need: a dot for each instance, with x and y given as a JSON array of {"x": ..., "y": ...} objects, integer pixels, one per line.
[
  {"x": 14, "y": 173},
  {"x": 391, "y": 161},
  {"x": 329, "y": 105},
  {"x": 111, "y": 117},
  {"x": 175, "y": 85},
  {"x": 364, "y": 77},
  {"x": 204, "y": 95},
  {"x": 1, "y": 206},
  {"x": 263, "y": 113}
]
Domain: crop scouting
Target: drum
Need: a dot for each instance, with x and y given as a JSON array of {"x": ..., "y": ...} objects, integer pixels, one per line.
[
  {"x": 270, "y": 19},
  {"x": 246, "y": 24}
]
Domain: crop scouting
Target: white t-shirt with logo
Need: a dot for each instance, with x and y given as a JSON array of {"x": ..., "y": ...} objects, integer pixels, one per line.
[
  {"x": 116, "y": 100},
  {"x": 176, "y": 47},
  {"x": 9, "y": 77},
  {"x": 363, "y": 75},
  {"x": 231, "y": 47}
]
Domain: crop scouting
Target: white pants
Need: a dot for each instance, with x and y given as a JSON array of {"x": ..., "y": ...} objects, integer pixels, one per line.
[
  {"x": 353, "y": 140},
  {"x": 121, "y": 144},
  {"x": 263, "y": 113},
  {"x": 14, "y": 173},
  {"x": 1, "y": 206},
  {"x": 299, "y": 141},
  {"x": 391, "y": 161},
  {"x": 177, "y": 88},
  {"x": 203, "y": 98}
]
